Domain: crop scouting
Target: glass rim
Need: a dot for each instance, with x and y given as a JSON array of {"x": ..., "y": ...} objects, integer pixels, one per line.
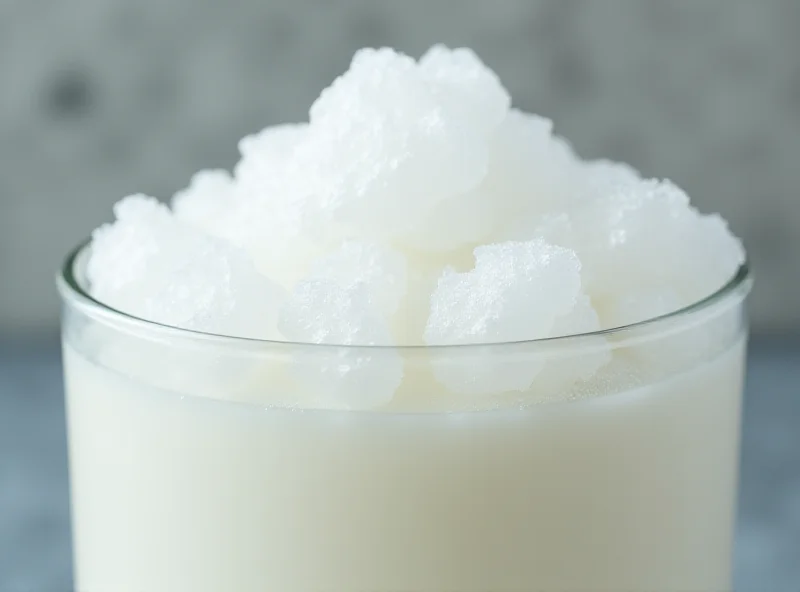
[{"x": 71, "y": 290}]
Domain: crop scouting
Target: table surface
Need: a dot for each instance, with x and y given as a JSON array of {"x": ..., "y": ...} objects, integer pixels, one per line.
[{"x": 34, "y": 508}]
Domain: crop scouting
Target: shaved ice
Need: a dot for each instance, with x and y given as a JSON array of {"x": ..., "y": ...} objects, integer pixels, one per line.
[{"x": 416, "y": 207}]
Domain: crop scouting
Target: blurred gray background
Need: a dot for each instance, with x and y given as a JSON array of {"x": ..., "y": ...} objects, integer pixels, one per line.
[{"x": 101, "y": 98}]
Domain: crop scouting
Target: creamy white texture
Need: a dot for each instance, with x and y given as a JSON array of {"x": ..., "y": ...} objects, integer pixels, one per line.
[{"x": 629, "y": 491}]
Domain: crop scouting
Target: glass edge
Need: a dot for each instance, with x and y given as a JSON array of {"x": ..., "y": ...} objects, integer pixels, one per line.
[{"x": 71, "y": 291}]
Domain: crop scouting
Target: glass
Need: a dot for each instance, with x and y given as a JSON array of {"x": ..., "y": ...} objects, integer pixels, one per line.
[{"x": 188, "y": 474}]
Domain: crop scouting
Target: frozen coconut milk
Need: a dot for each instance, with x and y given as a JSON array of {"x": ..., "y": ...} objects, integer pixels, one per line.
[{"x": 414, "y": 344}]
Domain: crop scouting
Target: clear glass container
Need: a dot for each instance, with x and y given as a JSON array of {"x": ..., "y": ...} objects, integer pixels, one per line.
[{"x": 202, "y": 463}]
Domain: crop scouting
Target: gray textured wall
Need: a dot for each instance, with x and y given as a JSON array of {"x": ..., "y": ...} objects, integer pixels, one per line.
[{"x": 100, "y": 98}]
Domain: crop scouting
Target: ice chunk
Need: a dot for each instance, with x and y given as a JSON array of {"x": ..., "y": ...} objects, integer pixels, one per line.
[
  {"x": 602, "y": 177},
  {"x": 464, "y": 219},
  {"x": 465, "y": 85},
  {"x": 713, "y": 255},
  {"x": 219, "y": 291},
  {"x": 515, "y": 293},
  {"x": 205, "y": 202},
  {"x": 274, "y": 231},
  {"x": 580, "y": 320},
  {"x": 128, "y": 253},
  {"x": 533, "y": 174},
  {"x": 531, "y": 167},
  {"x": 391, "y": 139},
  {"x": 267, "y": 157},
  {"x": 150, "y": 265},
  {"x": 276, "y": 237},
  {"x": 518, "y": 291},
  {"x": 272, "y": 216},
  {"x": 274, "y": 142},
  {"x": 640, "y": 240},
  {"x": 571, "y": 191},
  {"x": 380, "y": 269},
  {"x": 319, "y": 311},
  {"x": 646, "y": 253},
  {"x": 259, "y": 209},
  {"x": 423, "y": 272}
]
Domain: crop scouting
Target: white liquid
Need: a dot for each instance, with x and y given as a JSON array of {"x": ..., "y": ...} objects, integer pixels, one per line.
[{"x": 631, "y": 491}]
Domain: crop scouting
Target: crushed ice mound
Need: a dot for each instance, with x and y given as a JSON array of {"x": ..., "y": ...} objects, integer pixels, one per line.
[
  {"x": 149, "y": 265},
  {"x": 415, "y": 207}
]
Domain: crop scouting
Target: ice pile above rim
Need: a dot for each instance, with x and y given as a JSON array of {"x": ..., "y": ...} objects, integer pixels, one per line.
[{"x": 416, "y": 206}]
